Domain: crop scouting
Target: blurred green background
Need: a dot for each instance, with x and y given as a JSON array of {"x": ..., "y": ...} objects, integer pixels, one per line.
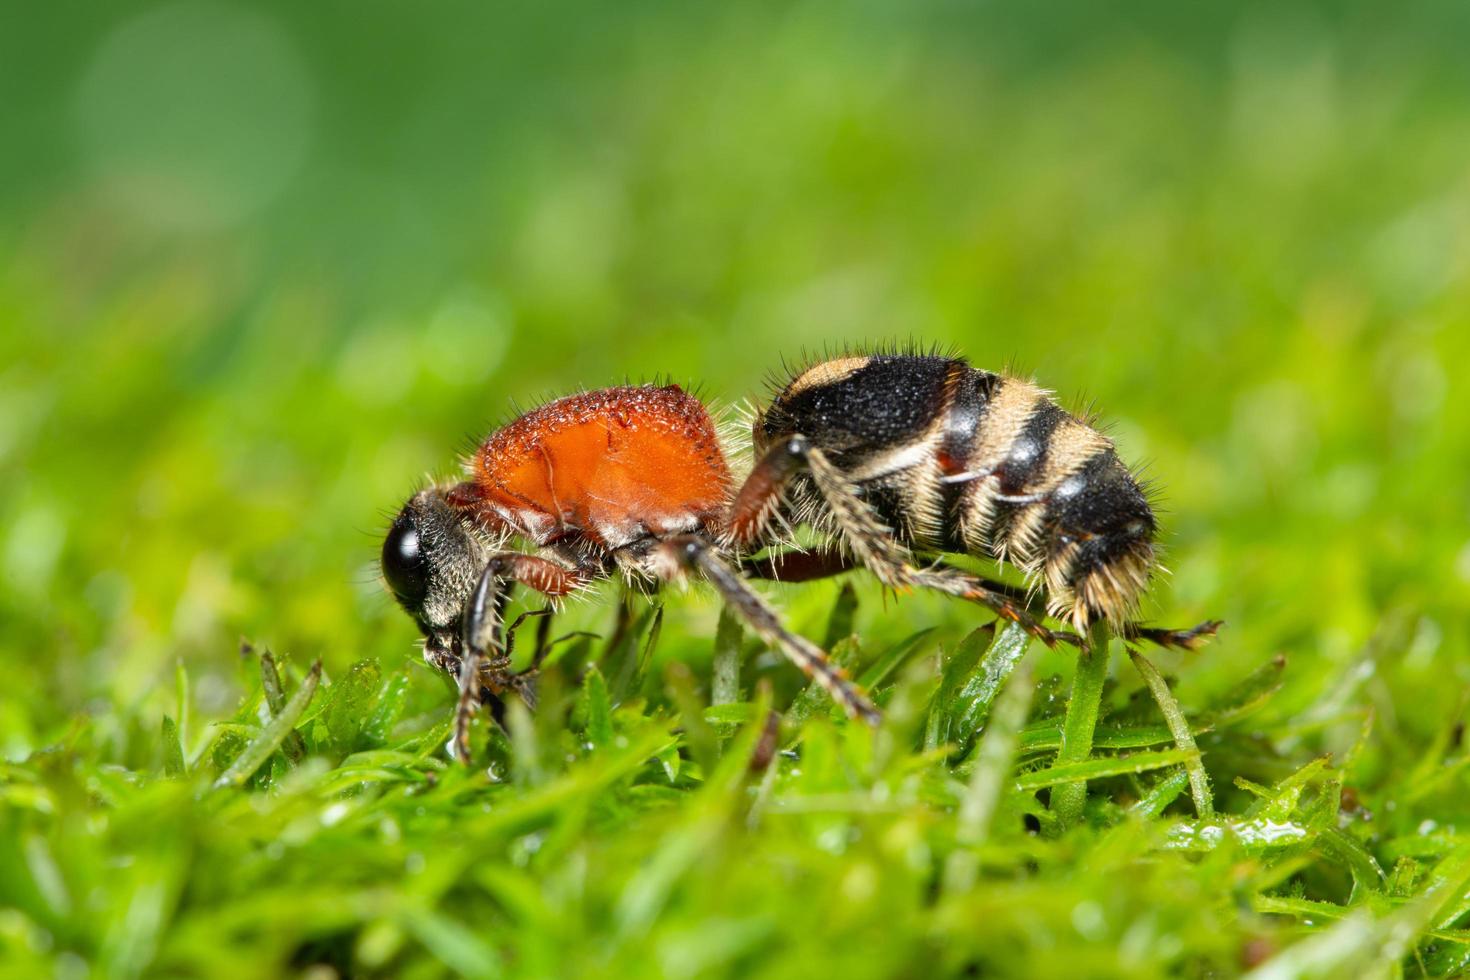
[{"x": 265, "y": 268}]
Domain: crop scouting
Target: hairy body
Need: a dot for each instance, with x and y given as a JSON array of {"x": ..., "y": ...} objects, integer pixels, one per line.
[
  {"x": 956, "y": 459},
  {"x": 899, "y": 457}
]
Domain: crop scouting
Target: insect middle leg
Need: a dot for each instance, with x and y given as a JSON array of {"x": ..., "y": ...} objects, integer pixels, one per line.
[{"x": 696, "y": 554}]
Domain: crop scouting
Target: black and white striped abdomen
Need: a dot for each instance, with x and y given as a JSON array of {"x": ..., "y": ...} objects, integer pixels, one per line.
[
  {"x": 959, "y": 459},
  {"x": 1045, "y": 491}
]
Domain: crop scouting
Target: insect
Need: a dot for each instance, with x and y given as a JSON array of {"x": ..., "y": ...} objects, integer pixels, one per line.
[{"x": 893, "y": 458}]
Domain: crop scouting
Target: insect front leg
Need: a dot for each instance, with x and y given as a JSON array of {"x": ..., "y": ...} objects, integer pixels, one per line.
[
  {"x": 543, "y": 617},
  {"x": 481, "y": 634}
]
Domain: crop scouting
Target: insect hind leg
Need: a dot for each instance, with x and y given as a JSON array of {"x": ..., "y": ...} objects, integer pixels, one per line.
[
  {"x": 875, "y": 545},
  {"x": 1186, "y": 639}
]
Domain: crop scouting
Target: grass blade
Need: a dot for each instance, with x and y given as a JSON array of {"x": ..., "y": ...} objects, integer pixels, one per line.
[
  {"x": 1165, "y": 792},
  {"x": 379, "y": 725},
  {"x": 839, "y": 623},
  {"x": 1359, "y": 945},
  {"x": 173, "y": 750},
  {"x": 647, "y": 891},
  {"x": 725, "y": 684},
  {"x": 273, "y": 734},
  {"x": 350, "y": 701},
  {"x": 1199, "y": 780},
  {"x": 452, "y": 943},
  {"x": 997, "y": 751},
  {"x": 181, "y": 691},
  {"x": 1046, "y": 734},
  {"x": 980, "y": 690},
  {"x": 1068, "y": 800},
  {"x": 596, "y": 708},
  {"x": 944, "y": 706},
  {"x": 1248, "y": 696},
  {"x": 275, "y": 699},
  {"x": 1078, "y": 773},
  {"x": 701, "y": 740},
  {"x": 620, "y": 655},
  {"x": 814, "y": 697},
  {"x": 892, "y": 659},
  {"x": 993, "y": 763}
]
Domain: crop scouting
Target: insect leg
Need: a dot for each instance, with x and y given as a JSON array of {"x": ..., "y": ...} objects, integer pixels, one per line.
[
  {"x": 544, "y": 615},
  {"x": 698, "y": 554},
  {"x": 1185, "y": 639},
  {"x": 523, "y": 682},
  {"x": 875, "y": 545},
  {"x": 799, "y": 566},
  {"x": 971, "y": 588},
  {"x": 481, "y": 629},
  {"x": 543, "y": 637},
  {"x": 871, "y": 541},
  {"x": 1004, "y": 602},
  {"x": 759, "y": 496},
  {"x": 809, "y": 566},
  {"x": 1190, "y": 639}
]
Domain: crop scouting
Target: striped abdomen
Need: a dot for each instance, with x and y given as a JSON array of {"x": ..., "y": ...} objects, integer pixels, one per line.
[{"x": 958, "y": 459}]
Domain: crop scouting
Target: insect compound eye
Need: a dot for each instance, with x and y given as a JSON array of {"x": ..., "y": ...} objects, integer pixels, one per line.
[{"x": 404, "y": 564}]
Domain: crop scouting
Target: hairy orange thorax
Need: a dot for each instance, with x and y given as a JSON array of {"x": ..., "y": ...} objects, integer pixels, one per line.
[{"x": 609, "y": 466}]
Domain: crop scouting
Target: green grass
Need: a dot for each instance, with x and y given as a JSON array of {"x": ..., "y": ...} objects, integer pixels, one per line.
[
  {"x": 655, "y": 832},
  {"x": 1237, "y": 231}
]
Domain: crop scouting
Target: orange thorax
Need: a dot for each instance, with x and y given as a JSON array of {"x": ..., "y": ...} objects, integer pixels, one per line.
[{"x": 609, "y": 465}]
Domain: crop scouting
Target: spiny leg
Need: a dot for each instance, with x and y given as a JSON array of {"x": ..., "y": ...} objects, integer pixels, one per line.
[
  {"x": 794, "y": 565},
  {"x": 759, "y": 500},
  {"x": 759, "y": 497},
  {"x": 961, "y": 584},
  {"x": 543, "y": 638},
  {"x": 875, "y": 545},
  {"x": 523, "y": 681},
  {"x": 809, "y": 566},
  {"x": 1185, "y": 639},
  {"x": 971, "y": 588},
  {"x": 1192, "y": 638},
  {"x": 481, "y": 629},
  {"x": 1188, "y": 639},
  {"x": 698, "y": 554}
]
